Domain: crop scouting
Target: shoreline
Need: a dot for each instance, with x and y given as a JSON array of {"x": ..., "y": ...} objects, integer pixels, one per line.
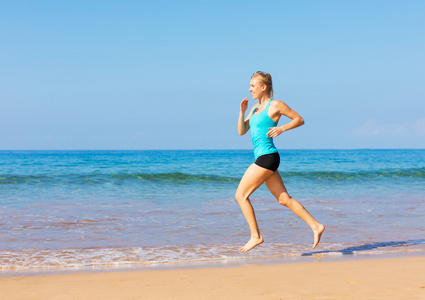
[
  {"x": 377, "y": 278},
  {"x": 209, "y": 264}
]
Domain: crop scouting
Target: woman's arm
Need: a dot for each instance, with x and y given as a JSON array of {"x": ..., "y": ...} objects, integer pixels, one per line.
[
  {"x": 282, "y": 109},
  {"x": 243, "y": 123}
]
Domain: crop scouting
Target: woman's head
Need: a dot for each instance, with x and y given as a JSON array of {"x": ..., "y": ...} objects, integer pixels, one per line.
[{"x": 264, "y": 79}]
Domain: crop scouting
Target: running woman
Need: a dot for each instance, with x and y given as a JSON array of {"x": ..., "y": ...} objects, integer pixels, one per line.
[{"x": 262, "y": 120}]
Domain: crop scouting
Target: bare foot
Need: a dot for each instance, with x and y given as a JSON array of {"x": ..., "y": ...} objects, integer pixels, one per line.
[
  {"x": 252, "y": 243},
  {"x": 318, "y": 234}
]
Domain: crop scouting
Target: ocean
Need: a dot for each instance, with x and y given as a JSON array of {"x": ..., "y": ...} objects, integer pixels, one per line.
[{"x": 74, "y": 210}]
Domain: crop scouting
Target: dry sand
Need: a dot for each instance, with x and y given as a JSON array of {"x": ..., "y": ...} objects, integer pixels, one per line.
[{"x": 394, "y": 278}]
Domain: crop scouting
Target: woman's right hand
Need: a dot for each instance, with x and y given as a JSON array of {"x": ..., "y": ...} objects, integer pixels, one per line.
[{"x": 244, "y": 105}]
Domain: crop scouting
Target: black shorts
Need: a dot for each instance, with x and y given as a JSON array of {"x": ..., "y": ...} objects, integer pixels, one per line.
[{"x": 269, "y": 161}]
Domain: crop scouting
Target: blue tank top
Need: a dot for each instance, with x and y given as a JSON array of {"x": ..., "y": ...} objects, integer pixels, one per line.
[{"x": 260, "y": 124}]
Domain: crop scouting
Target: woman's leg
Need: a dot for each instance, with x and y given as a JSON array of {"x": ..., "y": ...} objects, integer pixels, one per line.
[
  {"x": 277, "y": 188},
  {"x": 253, "y": 178}
]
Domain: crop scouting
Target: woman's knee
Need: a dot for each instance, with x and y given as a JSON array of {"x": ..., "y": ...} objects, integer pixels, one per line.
[
  {"x": 284, "y": 199},
  {"x": 240, "y": 197}
]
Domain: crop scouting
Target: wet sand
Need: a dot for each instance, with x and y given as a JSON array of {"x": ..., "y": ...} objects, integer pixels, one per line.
[{"x": 386, "y": 278}]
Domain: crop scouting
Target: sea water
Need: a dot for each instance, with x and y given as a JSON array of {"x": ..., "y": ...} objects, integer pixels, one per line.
[{"x": 79, "y": 209}]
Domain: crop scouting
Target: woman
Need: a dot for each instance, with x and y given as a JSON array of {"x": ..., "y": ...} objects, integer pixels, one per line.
[{"x": 263, "y": 119}]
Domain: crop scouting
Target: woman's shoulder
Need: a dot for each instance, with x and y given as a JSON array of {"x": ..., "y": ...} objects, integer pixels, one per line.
[
  {"x": 277, "y": 104},
  {"x": 279, "y": 107},
  {"x": 252, "y": 110},
  {"x": 254, "y": 107}
]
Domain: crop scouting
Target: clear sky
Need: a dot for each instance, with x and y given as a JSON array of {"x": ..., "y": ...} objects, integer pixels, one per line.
[{"x": 171, "y": 74}]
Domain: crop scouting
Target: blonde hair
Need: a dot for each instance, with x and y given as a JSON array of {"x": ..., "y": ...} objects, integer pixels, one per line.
[{"x": 264, "y": 78}]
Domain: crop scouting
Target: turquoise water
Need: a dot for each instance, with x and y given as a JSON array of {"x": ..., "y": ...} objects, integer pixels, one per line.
[{"x": 73, "y": 209}]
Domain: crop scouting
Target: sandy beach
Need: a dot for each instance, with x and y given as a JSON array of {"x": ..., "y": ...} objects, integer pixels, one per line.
[{"x": 386, "y": 278}]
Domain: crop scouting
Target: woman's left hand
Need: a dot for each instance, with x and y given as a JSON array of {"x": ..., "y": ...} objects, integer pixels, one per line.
[{"x": 275, "y": 131}]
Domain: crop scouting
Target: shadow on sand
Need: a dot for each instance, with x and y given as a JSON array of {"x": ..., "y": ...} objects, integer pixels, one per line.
[{"x": 370, "y": 246}]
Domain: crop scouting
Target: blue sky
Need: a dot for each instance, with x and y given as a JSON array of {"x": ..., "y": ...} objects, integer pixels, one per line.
[{"x": 171, "y": 74}]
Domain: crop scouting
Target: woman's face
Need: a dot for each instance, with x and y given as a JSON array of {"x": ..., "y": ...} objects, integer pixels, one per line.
[{"x": 256, "y": 89}]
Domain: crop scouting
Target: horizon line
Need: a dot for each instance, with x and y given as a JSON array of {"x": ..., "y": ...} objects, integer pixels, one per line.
[{"x": 208, "y": 149}]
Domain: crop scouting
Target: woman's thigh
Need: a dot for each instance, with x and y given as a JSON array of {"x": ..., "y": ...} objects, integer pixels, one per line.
[
  {"x": 276, "y": 186},
  {"x": 253, "y": 178}
]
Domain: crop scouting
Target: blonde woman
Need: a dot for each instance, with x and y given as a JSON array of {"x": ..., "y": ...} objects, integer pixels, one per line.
[{"x": 262, "y": 120}]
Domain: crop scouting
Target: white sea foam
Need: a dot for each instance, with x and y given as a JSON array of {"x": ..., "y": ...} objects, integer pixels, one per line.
[{"x": 36, "y": 260}]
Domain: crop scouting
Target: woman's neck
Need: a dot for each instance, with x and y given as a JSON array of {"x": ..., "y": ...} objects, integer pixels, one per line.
[{"x": 264, "y": 99}]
